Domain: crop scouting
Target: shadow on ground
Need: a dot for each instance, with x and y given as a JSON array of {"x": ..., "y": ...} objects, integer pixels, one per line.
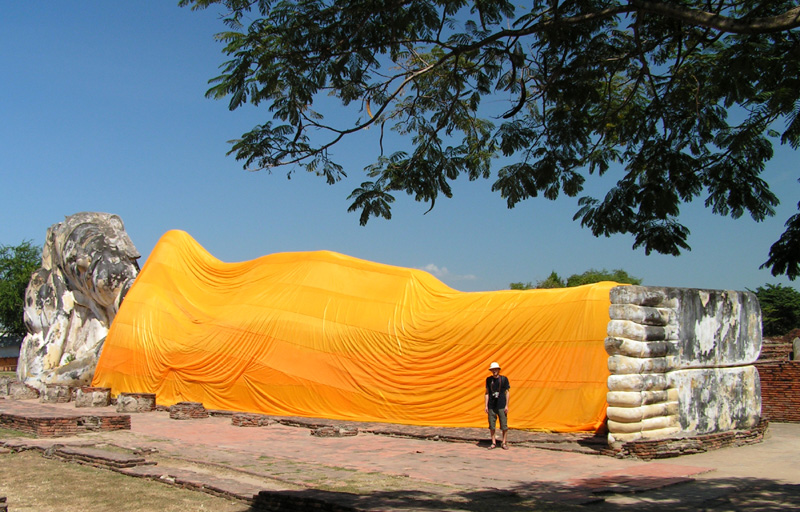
[{"x": 739, "y": 494}]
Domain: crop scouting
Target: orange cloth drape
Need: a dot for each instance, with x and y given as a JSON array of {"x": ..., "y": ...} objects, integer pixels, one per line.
[{"x": 320, "y": 334}]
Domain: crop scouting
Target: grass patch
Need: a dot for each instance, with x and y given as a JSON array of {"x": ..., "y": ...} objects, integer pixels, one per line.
[
  {"x": 33, "y": 483},
  {"x": 8, "y": 432}
]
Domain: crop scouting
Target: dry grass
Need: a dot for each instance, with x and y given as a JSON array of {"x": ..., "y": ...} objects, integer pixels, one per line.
[{"x": 33, "y": 483}]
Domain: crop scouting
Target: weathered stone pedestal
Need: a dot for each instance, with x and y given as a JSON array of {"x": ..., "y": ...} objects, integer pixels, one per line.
[
  {"x": 19, "y": 391},
  {"x": 681, "y": 363},
  {"x": 56, "y": 394},
  {"x": 4, "y": 382},
  {"x": 331, "y": 431},
  {"x": 242, "y": 419},
  {"x": 136, "y": 402},
  {"x": 87, "y": 396},
  {"x": 187, "y": 411}
]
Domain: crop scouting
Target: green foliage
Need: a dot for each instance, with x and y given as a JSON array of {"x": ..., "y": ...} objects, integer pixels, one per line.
[
  {"x": 521, "y": 286},
  {"x": 17, "y": 263},
  {"x": 596, "y": 276},
  {"x": 552, "y": 281},
  {"x": 644, "y": 91},
  {"x": 780, "y": 309},
  {"x": 588, "y": 277}
]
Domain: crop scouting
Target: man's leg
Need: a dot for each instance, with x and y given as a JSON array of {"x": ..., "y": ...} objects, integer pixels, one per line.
[
  {"x": 492, "y": 423},
  {"x": 503, "y": 427}
]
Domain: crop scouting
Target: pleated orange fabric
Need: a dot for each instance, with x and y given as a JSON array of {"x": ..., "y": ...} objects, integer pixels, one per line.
[{"x": 320, "y": 334}]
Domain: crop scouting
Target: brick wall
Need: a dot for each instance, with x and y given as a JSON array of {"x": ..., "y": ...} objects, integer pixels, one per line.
[
  {"x": 780, "y": 390},
  {"x": 55, "y": 426},
  {"x": 775, "y": 349},
  {"x": 8, "y": 364}
]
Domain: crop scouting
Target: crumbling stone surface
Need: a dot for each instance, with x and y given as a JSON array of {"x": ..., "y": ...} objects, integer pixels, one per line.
[
  {"x": 60, "y": 424},
  {"x": 136, "y": 402},
  {"x": 4, "y": 382},
  {"x": 331, "y": 431},
  {"x": 681, "y": 363},
  {"x": 88, "y": 264},
  {"x": 19, "y": 391},
  {"x": 676, "y": 446},
  {"x": 251, "y": 420},
  {"x": 87, "y": 396},
  {"x": 55, "y": 394},
  {"x": 187, "y": 411}
]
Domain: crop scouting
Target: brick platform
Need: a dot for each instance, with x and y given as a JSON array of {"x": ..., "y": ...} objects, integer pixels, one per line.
[
  {"x": 187, "y": 411},
  {"x": 45, "y": 422}
]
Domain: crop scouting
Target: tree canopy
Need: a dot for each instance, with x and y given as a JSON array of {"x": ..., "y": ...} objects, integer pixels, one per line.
[
  {"x": 17, "y": 263},
  {"x": 590, "y": 276},
  {"x": 671, "y": 101},
  {"x": 780, "y": 308}
]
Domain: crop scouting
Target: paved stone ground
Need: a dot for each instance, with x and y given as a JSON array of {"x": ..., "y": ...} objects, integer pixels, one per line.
[{"x": 402, "y": 468}]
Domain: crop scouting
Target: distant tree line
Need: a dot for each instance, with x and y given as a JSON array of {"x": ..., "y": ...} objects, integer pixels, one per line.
[{"x": 588, "y": 277}]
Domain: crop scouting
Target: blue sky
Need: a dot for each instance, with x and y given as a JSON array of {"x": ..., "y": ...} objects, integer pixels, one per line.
[{"x": 103, "y": 108}]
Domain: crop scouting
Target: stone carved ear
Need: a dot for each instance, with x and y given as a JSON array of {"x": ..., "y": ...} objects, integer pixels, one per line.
[{"x": 116, "y": 222}]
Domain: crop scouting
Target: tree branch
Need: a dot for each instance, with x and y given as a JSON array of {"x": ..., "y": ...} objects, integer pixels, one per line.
[{"x": 778, "y": 23}]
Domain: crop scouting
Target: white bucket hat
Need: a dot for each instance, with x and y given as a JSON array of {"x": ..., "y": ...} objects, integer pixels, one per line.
[{"x": 493, "y": 366}]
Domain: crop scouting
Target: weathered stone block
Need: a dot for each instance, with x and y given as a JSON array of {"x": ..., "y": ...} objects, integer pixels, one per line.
[
  {"x": 717, "y": 399},
  {"x": 251, "y": 420},
  {"x": 331, "y": 431},
  {"x": 632, "y": 348},
  {"x": 56, "y": 394},
  {"x": 640, "y": 314},
  {"x": 637, "y": 365},
  {"x": 88, "y": 396},
  {"x": 136, "y": 402},
  {"x": 4, "y": 382},
  {"x": 637, "y": 382},
  {"x": 650, "y": 296},
  {"x": 639, "y": 332},
  {"x": 19, "y": 391},
  {"x": 718, "y": 328},
  {"x": 702, "y": 343}
]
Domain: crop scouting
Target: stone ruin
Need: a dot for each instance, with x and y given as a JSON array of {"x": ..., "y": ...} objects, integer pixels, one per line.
[
  {"x": 88, "y": 264},
  {"x": 682, "y": 363}
]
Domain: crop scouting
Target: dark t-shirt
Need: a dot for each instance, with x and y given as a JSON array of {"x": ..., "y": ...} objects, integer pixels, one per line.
[{"x": 499, "y": 385}]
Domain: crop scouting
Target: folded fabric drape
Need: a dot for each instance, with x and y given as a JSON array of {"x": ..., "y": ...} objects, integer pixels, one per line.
[{"x": 321, "y": 334}]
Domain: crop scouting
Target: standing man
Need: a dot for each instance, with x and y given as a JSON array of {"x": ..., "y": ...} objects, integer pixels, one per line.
[{"x": 496, "y": 402}]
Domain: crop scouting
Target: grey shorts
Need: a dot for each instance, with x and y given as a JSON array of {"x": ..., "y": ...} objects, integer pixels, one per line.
[{"x": 498, "y": 413}]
